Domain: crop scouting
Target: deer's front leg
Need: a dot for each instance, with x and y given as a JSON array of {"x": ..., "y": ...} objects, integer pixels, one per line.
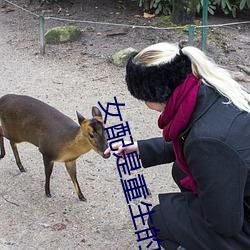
[
  {"x": 48, "y": 165},
  {"x": 71, "y": 168}
]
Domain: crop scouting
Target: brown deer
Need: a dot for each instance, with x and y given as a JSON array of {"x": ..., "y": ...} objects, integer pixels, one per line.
[{"x": 59, "y": 138}]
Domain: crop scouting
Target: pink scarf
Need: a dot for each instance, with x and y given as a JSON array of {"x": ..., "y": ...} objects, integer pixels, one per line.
[{"x": 175, "y": 118}]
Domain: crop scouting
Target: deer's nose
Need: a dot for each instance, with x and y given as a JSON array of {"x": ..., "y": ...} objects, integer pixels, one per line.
[{"x": 106, "y": 156}]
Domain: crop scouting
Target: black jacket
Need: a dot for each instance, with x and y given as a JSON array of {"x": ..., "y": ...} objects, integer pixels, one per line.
[{"x": 216, "y": 145}]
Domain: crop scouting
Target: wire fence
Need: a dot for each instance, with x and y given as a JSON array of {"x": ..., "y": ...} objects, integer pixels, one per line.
[{"x": 191, "y": 28}]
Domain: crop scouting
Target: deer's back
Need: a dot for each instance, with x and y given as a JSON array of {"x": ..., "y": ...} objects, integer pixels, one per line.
[{"x": 24, "y": 118}]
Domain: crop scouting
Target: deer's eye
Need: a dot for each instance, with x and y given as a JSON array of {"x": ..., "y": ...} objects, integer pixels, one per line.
[{"x": 91, "y": 136}]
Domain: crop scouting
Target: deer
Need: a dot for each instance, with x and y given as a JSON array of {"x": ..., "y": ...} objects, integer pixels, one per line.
[{"x": 58, "y": 138}]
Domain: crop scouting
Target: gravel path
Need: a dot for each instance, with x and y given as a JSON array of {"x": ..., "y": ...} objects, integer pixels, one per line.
[{"x": 70, "y": 79}]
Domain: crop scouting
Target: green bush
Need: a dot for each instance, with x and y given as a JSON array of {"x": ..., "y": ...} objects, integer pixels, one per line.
[
  {"x": 156, "y": 6},
  {"x": 211, "y": 7},
  {"x": 227, "y": 6},
  {"x": 232, "y": 6}
]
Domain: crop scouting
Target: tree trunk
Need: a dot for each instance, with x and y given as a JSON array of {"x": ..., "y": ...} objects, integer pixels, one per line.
[{"x": 183, "y": 11}]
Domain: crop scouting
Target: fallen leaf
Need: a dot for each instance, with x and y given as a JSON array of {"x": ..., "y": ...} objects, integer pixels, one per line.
[
  {"x": 147, "y": 15},
  {"x": 58, "y": 227}
]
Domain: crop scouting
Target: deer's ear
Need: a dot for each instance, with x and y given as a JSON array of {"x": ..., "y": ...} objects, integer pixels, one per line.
[
  {"x": 80, "y": 118},
  {"x": 96, "y": 112}
]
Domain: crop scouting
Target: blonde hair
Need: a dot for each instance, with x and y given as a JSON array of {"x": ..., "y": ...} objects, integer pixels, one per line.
[{"x": 202, "y": 67}]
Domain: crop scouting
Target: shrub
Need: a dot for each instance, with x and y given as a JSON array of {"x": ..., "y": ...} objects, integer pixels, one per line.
[
  {"x": 165, "y": 6},
  {"x": 157, "y": 6}
]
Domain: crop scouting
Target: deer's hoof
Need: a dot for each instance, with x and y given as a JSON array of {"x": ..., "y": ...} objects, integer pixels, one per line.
[
  {"x": 48, "y": 195},
  {"x": 82, "y": 198}
]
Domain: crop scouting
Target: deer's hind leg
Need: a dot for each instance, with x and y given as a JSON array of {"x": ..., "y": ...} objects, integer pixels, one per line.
[
  {"x": 71, "y": 168},
  {"x": 1, "y": 144},
  {"x": 15, "y": 151}
]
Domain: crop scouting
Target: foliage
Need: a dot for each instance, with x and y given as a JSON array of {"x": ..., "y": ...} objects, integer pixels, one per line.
[
  {"x": 157, "y": 6},
  {"x": 211, "y": 7},
  {"x": 227, "y": 6},
  {"x": 232, "y": 6},
  {"x": 244, "y": 4}
]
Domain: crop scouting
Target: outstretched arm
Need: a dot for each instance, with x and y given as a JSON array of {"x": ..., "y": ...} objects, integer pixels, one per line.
[
  {"x": 152, "y": 152},
  {"x": 155, "y": 151}
]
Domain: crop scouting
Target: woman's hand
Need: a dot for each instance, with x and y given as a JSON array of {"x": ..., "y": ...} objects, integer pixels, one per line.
[{"x": 120, "y": 148}]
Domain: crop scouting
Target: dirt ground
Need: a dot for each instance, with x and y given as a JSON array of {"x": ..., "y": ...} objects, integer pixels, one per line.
[{"x": 75, "y": 76}]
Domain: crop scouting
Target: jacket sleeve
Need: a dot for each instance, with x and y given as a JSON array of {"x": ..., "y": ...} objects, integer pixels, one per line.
[
  {"x": 155, "y": 151},
  {"x": 220, "y": 173}
]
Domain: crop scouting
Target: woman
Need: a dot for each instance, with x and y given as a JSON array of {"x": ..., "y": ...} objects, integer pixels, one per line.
[{"x": 205, "y": 118}]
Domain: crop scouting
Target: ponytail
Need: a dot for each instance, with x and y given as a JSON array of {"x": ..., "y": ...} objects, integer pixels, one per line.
[{"x": 218, "y": 78}]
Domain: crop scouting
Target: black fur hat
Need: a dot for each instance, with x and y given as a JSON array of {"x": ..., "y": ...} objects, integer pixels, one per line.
[{"x": 156, "y": 83}]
